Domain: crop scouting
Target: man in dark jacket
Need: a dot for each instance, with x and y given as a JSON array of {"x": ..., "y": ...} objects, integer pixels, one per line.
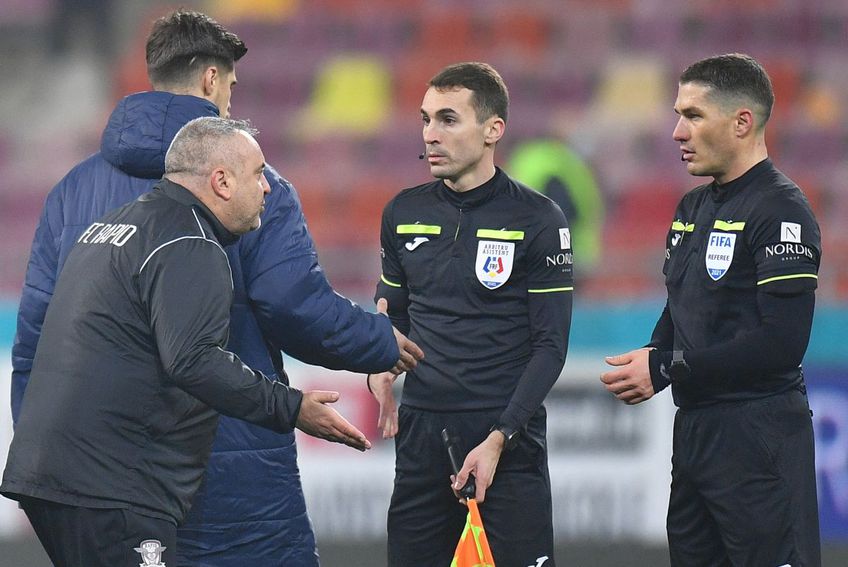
[
  {"x": 119, "y": 416},
  {"x": 282, "y": 300}
]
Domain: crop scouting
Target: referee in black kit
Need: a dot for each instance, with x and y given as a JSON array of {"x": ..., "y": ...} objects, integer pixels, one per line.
[
  {"x": 741, "y": 266},
  {"x": 478, "y": 269}
]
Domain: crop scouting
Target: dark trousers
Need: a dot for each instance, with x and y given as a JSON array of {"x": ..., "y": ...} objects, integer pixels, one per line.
[
  {"x": 425, "y": 519},
  {"x": 743, "y": 488},
  {"x": 90, "y": 537}
]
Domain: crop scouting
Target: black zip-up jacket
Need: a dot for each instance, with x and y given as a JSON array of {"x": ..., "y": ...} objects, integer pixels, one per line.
[
  {"x": 741, "y": 269},
  {"x": 119, "y": 412},
  {"x": 482, "y": 280}
]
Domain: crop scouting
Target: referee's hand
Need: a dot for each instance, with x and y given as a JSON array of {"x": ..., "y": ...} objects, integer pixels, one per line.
[
  {"x": 631, "y": 380},
  {"x": 410, "y": 353},
  {"x": 318, "y": 419},
  {"x": 380, "y": 385},
  {"x": 481, "y": 461}
]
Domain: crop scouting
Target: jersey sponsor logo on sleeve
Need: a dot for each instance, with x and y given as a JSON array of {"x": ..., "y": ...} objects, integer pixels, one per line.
[
  {"x": 789, "y": 251},
  {"x": 565, "y": 238},
  {"x": 719, "y": 254},
  {"x": 494, "y": 262},
  {"x": 790, "y": 232},
  {"x": 561, "y": 259}
]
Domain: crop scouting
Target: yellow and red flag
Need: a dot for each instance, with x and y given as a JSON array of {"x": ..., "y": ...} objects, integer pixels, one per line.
[{"x": 473, "y": 547}]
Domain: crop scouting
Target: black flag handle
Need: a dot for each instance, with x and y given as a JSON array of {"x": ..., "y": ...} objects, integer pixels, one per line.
[{"x": 456, "y": 454}]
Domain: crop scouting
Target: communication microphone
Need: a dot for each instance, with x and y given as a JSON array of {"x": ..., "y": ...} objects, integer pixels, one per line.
[
  {"x": 456, "y": 454},
  {"x": 422, "y": 155}
]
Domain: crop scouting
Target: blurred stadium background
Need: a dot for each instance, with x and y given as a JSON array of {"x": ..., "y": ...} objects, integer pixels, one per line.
[{"x": 334, "y": 86}]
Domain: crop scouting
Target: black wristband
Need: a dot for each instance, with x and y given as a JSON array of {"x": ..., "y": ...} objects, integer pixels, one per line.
[
  {"x": 659, "y": 361},
  {"x": 510, "y": 435}
]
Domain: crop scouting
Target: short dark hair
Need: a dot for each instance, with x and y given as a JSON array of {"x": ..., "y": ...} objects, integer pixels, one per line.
[
  {"x": 490, "y": 95},
  {"x": 184, "y": 43},
  {"x": 734, "y": 77}
]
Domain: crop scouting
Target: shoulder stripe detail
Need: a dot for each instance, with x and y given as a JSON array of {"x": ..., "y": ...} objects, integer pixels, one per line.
[
  {"x": 500, "y": 234},
  {"x": 387, "y": 282},
  {"x": 200, "y": 226},
  {"x": 729, "y": 226},
  {"x": 679, "y": 226},
  {"x": 161, "y": 246},
  {"x": 789, "y": 277},
  {"x": 551, "y": 289},
  {"x": 419, "y": 229}
]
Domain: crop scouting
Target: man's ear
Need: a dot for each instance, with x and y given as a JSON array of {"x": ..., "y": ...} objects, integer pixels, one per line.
[
  {"x": 210, "y": 80},
  {"x": 495, "y": 128},
  {"x": 744, "y": 122},
  {"x": 219, "y": 179}
]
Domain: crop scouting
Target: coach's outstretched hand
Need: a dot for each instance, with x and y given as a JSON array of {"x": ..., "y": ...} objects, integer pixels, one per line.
[
  {"x": 410, "y": 353},
  {"x": 318, "y": 419}
]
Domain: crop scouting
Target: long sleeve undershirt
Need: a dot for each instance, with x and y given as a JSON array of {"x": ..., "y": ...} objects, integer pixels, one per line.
[{"x": 778, "y": 343}]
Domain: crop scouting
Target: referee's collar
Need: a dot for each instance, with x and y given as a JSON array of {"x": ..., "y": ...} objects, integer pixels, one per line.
[
  {"x": 724, "y": 192},
  {"x": 473, "y": 197}
]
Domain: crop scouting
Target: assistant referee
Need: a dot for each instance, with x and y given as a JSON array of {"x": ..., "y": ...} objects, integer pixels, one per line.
[
  {"x": 478, "y": 268},
  {"x": 741, "y": 265}
]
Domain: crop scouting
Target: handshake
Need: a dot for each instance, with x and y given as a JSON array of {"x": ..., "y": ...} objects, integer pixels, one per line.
[{"x": 318, "y": 419}]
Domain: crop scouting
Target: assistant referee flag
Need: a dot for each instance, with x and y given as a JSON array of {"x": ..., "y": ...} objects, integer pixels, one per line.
[{"x": 473, "y": 547}]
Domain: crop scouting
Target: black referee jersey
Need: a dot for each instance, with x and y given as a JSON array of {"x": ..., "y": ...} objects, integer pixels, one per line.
[
  {"x": 482, "y": 280},
  {"x": 733, "y": 251}
]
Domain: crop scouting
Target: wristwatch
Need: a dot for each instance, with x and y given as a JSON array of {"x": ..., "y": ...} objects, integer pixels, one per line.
[
  {"x": 510, "y": 435},
  {"x": 679, "y": 370}
]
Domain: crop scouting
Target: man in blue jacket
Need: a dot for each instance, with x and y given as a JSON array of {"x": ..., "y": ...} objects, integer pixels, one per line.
[{"x": 250, "y": 509}]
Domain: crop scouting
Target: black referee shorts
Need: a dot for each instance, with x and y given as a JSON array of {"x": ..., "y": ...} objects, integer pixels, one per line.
[
  {"x": 91, "y": 537},
  {"x": 425, "y": 519},
  {"x": 743, "y": 488}
]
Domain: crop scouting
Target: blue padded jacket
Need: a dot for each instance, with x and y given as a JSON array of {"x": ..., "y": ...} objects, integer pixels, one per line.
[{"x": 250, "y": 508}]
